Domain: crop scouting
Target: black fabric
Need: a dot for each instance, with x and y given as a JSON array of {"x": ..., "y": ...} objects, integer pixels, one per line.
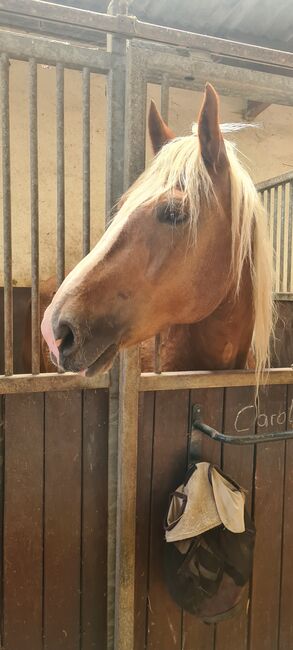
[{"x": 209, "y": 579}]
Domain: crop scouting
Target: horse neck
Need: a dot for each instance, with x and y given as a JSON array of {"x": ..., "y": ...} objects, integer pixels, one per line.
[{"x": 219, "y": 342}]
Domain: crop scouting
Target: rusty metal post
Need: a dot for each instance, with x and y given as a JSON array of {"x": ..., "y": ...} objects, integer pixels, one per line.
[
  {"x": 116, "y": 46},
  {"x": 60, "y": 173},
  {"x": 7, "y": 236},
  {"x": 165, "y": 115},
  {"x": 86, "y": 204},
  {"x": 34, "y": 185},
  {"x": 136, "y": 88}
]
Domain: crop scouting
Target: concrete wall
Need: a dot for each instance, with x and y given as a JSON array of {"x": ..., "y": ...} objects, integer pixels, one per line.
[{"x": 267, "y": 151}]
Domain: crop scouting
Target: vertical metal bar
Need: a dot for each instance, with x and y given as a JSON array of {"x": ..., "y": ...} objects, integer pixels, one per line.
[
  {"x": 275, "y": 230},
  {"x": 60, "y": 173},
  {"x": 136, "y": 91},
  {"x": 7, "y": 236},
  {"x": 165, "y": 98},
  {"x": 290, "y": 229},
  {"x": 282, "y": 236},
  {"x": 86, "y": 160},
  {"x": 165, "y": 115},
  {"x": 114, "y": 189},
  {"x": 33, "y": 135}
]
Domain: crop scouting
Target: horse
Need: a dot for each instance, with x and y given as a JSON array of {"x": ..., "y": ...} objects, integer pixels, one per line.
[{"x": 186, "y": 255}]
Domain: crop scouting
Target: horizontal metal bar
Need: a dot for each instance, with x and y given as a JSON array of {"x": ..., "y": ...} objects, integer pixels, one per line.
[
  {"x": 7, "y": 224},
  {"x": 275, "y": 436},
  {"x": 206, "y": 379},
  {"x": 33, "y": 25},
  {"x": 131, "y": 27},
  {"x": 60, "y": 164},
  {"x": 34, "y": 198},
  {"x": 50, "y": 381},
  {"x": 243, "y": 82},
  {"x": 283, "y": 296},
  {"x": 52, "y": 51},
  {"x": 272, "y": 182}
]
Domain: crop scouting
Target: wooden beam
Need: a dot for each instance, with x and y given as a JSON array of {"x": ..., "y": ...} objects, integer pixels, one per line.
[
  {"x": 206, "y": 379},
  {"x": 253, "y": 109}
]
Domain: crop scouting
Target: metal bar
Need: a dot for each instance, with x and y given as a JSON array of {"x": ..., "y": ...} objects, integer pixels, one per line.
[
  {"x": 33, "y": 134},
  {"x": 130, "y": 27},
  {"x": 272, "y": 182},
  {"x": 135, "y": 112},
  {"x": 51, "y": 51},
  {"x": 158, "y": 357},
  {"x": 165, "y": 114},
  {"x": 60, "y": 174},
  {"x": 282, "y": 236},
  {"x": 165, "y": 98},
  {"x": 275, "y": 232},
  {"x": 50, "y": 381},
  {"x": 114, "y": 189},
  {"x": 86, "y": 160},
  {"x": 228, "y": 79},
  {"x": 7, "y": 236},
  {"x": 206, "y": 379},
  {"x": 290, "y": 233},
  {"x": 283, "y": 296},
  {"x": 240, "y": 440}
]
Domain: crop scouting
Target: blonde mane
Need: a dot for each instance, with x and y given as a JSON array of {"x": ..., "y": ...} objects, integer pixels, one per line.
[{"x": 179, "y": 165}]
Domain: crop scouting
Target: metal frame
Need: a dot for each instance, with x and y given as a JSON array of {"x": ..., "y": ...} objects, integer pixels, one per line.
[
  {"x": 198, "y": 425},
  {"x": 129, "y": 66}
]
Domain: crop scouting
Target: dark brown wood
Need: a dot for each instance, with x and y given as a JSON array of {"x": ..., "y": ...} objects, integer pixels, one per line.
[
  {"x": 143, "y": 505},
  {"x": 23, "y": 523},
  {"x": 2, "y": 500},
  {"x": 169, "y": 466},
  {"x": 195, "y": 633},
  {"x": 286, "y": 603},
  {"x": 268, "y": 506},
  {"x": 253, "y": 109},
  {"x": 94, "y": 520},
  {"x": 239, "y": 419},
  {"x": 62, "y": 543}
]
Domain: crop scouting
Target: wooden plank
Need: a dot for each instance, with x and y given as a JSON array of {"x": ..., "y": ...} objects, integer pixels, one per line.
[
  {"x": 239, "y": 419},
  {"x": 143, "y": 506},
  {"x": 195, "y": 633},
  {"x": 63, "y": 427},
  {"x": 49, "y": 382},
  {"x": 253, "y": 109},
  {"x": 268, "y": 506},
  {"x": 286, "y": 597},
  {"x": 126, "y": 499},
  {"x": 206, "y": 379},
  {"x": 94, "y": 520},
  {"x": 23, "y": 523},
  {"x": 169, "y": 466},
  {"x": 2, "y": 460}
]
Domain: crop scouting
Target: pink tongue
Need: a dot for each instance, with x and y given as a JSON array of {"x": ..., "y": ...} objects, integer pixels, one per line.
[{"x": 47, "y": 332}]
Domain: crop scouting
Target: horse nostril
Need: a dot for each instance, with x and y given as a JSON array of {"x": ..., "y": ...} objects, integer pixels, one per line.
[{"x": 65, "y": 335}]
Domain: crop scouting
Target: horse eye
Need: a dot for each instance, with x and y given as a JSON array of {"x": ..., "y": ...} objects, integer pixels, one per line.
[{"x": 170, "y": 214}]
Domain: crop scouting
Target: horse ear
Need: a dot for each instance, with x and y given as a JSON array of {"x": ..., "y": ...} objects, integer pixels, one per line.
[
  {"x": 159, "y": 132},
  {"x": 212, "y": 144}
]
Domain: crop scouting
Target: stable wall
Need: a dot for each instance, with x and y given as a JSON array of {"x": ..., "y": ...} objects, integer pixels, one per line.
[{"x": 267, "y": 151}]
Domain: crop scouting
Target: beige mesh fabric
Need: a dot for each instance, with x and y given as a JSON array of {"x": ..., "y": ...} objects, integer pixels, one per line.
[{"x": 208, "y": 505}]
